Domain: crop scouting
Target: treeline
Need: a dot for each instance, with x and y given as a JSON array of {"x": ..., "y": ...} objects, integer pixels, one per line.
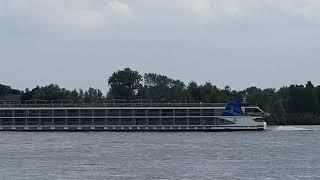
[
  {"x": 296, "y": 104},
  {"x": 54, "y": 92}
]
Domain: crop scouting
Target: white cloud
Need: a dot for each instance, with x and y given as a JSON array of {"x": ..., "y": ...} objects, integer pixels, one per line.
[
  {"x": 119, "y": 7},
  {"x": 212, "y": 11},
  {"x": 80, "y": 19},
  {"x": 92, "y": 14},
  {"x": 84, "y": 14},
  {"x": 195, "y": 6},
  {"x": 307, "y": 9}
]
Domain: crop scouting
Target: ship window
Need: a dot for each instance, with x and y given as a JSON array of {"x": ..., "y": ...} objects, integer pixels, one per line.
[
  {"x": 59, "y": 121},
  {"x": 46, "y": 121},
  {"x": 194, "y": 121},
  {"x": 46, "y": 113},
  {"x": 181, "y": 112},
  {"x": 126, "y": 112},
  {"x": 140, "y": 112},
  {"x": 34, "y": 113},
  {"x": 33, "y": 121},
  {"x": 99, "y": 112},
  {"x": 253, "y": 110},
  {"x": 208, "y": 112},
  {"x": 153, "y": 112},
  {"x": 113, "y": 121},
  {"x": 181, "y": 121},
  {"x": 127, "y": 121},
  {"x": 59, "y": 112},
  {"x": 19, "y": 113},
  {"x": 85, "y": 112},
  {"x": 73, "y": 121},
  {"x": 194, "y": 112},
  {"x": 259, "y": 119},
  {"x": 2, "y": 113},
  {"x": 99, "y": 121},
  {"x": 140, "y": 121},
  {"x": 209, "y": 121},
  {"x": 167, "y": 121},
  {"x": 113, "y": 112},
  {"x": 154, "y": 121},
  {"x": 7, "y": 121},
  {"x": 8, "y": 113},
  {"x": 20, "y": 121},
  {"x": 167, "y": 112},
  {"x": 72, "y": 112},
  {"x": 220, "y": 121},
  {"x": 86, "y": 121},
  {"x": 226, "y": 122},
  {"x": 218, "y": 112}
]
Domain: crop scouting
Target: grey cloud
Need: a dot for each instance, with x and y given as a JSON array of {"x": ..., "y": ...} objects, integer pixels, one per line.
[{"x": 78, "y": 43}]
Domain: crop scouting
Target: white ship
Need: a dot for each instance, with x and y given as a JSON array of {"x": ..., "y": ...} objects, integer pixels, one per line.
[{"x": 130, "y": 117}]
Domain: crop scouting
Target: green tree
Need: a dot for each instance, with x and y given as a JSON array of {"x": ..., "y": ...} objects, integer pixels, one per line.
[
  {"x": 73, "y": 95},
  {"x": 278, "y": 115},
  {"x": 161, "y": 88},
  {"x": 124, "y": 84},
  {"x": 50, "y": 92},
  {"x": 5, "y": 90},
  {"x": 311, "y": 97},
  {"x": 194, "y": 92}
]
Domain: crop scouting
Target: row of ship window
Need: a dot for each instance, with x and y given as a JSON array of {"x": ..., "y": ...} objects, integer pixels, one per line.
[
  {"x": 109, "y": 112},
  {"x": 114, "y": 121}
]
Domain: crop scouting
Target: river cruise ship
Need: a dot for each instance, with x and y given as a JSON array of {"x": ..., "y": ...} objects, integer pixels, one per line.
[{"x": 129, "y": 117}]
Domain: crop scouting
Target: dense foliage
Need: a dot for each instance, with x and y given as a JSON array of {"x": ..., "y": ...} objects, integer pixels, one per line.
[
  {"x": 296, "y": 104},
  {"x": 7, "y": 90},
  {"x": 124, "y": 84}
]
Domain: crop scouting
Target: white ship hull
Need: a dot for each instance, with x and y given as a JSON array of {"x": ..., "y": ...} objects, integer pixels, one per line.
[{"x": 240, "y": 124}]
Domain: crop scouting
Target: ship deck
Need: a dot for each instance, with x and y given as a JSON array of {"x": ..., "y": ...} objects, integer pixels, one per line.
[{"x": 12, "y": 104}]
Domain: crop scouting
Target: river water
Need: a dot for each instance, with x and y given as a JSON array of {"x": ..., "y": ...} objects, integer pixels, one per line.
[{"x": 287, "y": 152}]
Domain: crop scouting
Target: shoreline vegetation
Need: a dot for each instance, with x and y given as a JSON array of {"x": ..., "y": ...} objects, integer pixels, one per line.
[{"x": 292, "y": 105}]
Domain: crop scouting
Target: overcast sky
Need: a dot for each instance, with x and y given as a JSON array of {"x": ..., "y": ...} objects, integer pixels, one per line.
[{"x": 79, "y": 43}]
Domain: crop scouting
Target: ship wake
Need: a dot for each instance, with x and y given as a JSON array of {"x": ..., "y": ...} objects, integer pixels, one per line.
[{"x": 294, "y": 128}]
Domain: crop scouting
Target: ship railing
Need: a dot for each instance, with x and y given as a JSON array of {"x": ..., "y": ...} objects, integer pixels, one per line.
[
  {"x": 258, "y": 114},
  {"x": 43, "y": 103}
]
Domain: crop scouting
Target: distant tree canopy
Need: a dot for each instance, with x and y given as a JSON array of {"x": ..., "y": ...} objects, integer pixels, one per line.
[
  {"x": 4, "y": 90},
  {"x": 54, "y": 92},
  {"x": 296, "y": 104},
  {"x": 124, "y": 84},
  {"x": 162, "y": 88}
]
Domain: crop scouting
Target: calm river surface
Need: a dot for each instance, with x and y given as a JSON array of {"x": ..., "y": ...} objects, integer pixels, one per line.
[{"x": 288, "y": 152}]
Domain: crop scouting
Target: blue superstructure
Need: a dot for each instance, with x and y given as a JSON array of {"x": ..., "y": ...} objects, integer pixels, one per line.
[{"x": 233, "y": 109}]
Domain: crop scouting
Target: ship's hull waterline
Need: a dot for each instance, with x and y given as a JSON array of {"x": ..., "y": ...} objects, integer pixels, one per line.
[{"x": 133, "y": 128}]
